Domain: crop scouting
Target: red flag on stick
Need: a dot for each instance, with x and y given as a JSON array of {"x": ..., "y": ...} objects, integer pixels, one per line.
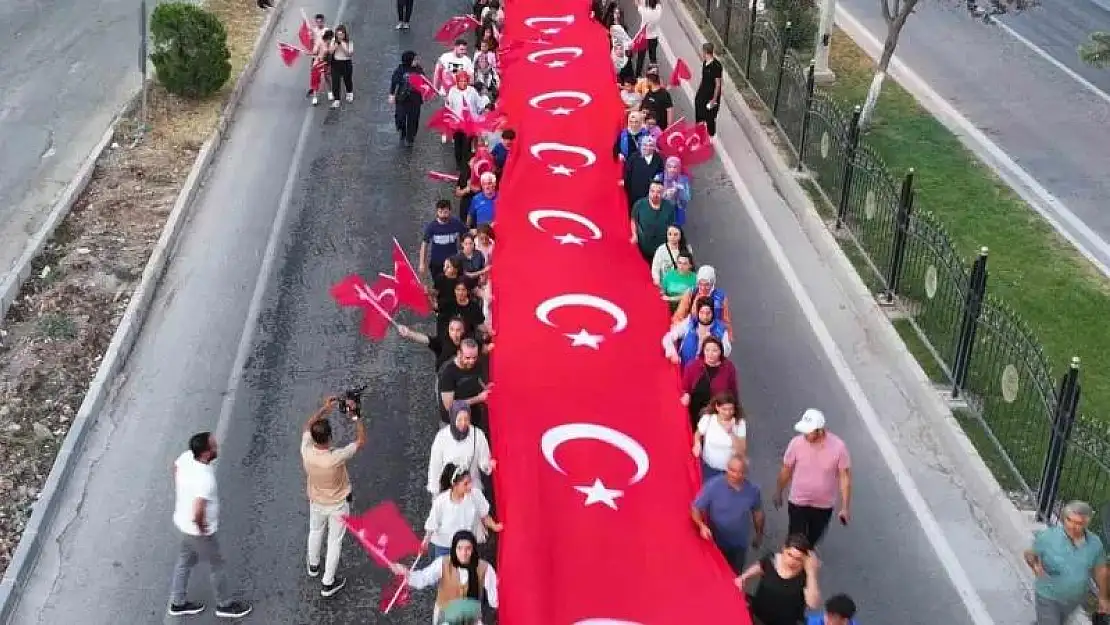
[
  {"x": 289, "y": 54},
  {"x": 409, "y": 288},
  {"x": 455, "y": 27},
  {"x": 395, "y": 594},
  {"x": 681, "y": 72},
  {"x": 305, "y": 35},
  {"x": 384, "y": 533},
  {"x": 421, "y": 84},
  {"x": 379, "y": 302},
  {"x": 439, "y": 176},
  {"x": 639, "y": 42}
]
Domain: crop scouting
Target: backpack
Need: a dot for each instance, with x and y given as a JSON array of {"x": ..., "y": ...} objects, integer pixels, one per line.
[{"x": 404, "y": 89}]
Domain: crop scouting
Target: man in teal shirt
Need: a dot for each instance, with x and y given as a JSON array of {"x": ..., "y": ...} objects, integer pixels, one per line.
[{"x": 1065, "y": 558}]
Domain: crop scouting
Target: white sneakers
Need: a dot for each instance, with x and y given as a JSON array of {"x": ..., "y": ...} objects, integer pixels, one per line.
[
  {"x": 315, "y": 99},
  {"x": 350, "y": 97},
  {"x": 335, "y": 104}
]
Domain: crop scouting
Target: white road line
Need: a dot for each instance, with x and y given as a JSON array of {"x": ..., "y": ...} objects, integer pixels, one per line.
[
  {"x": 1088, "y": 242},
  {"x": 246, "y": 339},
  {"x": 1088, "y": 85},
  {"x": 976, "y": 609}
]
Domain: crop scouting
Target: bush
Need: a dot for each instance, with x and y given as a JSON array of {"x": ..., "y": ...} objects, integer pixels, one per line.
[
  {"x": 804, "y": 18},
  {"x": 189, "y": 50}
]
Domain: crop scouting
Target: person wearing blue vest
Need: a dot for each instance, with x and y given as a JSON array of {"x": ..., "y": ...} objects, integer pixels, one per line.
[
  {"x": 690, "y": 334},
  {"x": 839, "y": 610}
]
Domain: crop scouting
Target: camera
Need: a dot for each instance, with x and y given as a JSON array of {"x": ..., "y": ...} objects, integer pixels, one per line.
[{"x": 352, "y": 396}]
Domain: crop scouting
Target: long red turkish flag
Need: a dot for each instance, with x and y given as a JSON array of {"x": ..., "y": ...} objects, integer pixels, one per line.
[{"x": 596, "y": 480}]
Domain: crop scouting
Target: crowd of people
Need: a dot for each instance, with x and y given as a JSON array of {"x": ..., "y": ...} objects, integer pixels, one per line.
[{"x": 456, "y": 256}]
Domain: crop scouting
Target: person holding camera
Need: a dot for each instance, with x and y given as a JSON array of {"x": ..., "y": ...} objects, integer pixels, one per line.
[{"x": 329, "y": 486}]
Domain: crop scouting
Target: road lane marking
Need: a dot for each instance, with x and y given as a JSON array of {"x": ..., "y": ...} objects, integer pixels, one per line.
[
  {"x": 976, "y": 609},
  {"x": 1086, "y": 84}
]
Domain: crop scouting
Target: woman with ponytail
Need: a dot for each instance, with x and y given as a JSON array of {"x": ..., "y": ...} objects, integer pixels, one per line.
[{"x": 457, "y": 507}]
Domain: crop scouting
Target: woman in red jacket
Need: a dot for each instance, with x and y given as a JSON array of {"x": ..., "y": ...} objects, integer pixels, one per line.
[{"x": 707, "y": 376}]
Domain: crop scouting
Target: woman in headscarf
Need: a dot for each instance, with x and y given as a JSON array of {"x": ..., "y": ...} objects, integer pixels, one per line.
[
  {"x": 459, "y": 506},
  {"x": 457, "y": 574},
  {"x": 690, "y": 335},
  {"x": 486, "y": 75},
  {"x": 628, "y": 141},
  {"x": 621, "y": 63},
  {"x": 722, "y": 433},
  {"x": 405, "y": 99},
  {"x": 706, "y": 287},
  {"x": 678, "y": 280},
  {"x": 676, "y": 187},
  {"x": 639, "y": 171},
  {"x": 707, "y": 376},
  {"x": 462, "y": 445},
  {"x": 666, "y": 255}
]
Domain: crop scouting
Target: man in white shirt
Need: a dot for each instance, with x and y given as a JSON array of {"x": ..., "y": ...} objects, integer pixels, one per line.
[
  {"x": 452, "y": 62},
  {"x": 196, "y": 516}
]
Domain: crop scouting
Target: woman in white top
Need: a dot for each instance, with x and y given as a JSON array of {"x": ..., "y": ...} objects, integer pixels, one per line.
[
  {"x": 650, "y": 14},
  {"x": 341, "y": 69},
  {"x": 666, "y": 255},
  {"x": 721, "y": 434},
  {"x": 462, "y": 97},
  {"x": 457, "y": 507},
  {"x": 462, "y": 445},
  {"x": 459, "y": 574}
]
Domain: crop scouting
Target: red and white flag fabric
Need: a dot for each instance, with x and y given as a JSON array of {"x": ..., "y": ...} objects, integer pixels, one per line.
[
  {"x": 379, "y": 301},
  {"x": 585, "y": 488},
  {"x": 681, "y": 72},
  {"x": 289, "y": 53},
  {"x": 456, "y": 27},
  {"x": 422, "y": 85},
  {"x": 395, "y": 594},
  {"x": 384, "y": 533},
  {"x": 639, "y": 40},
  {"x": 305, "y": 34},
  {"x": 442, "y": 78},
  {"x": 439, "y": 176},
  {"x": 408, "y": 287},
  {"x": 689, "y": 142},
  {"x": 447, "y": 121}
]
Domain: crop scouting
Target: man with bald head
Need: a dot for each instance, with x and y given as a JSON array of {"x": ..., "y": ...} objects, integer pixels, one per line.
[{"x": 725, "y": 511}]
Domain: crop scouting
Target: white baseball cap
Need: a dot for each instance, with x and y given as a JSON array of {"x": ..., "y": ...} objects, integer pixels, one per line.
[{"x": 811, "y": 421}]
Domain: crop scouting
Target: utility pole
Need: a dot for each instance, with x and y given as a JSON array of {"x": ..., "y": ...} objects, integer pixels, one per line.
[
  {"x": 822, "y": 75},
  {"x": 144, "y": 52}
]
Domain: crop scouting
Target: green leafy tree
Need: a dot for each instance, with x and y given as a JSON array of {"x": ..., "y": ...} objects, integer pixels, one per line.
[
  {"x": 802, "y": 16},
  {"x": 189, "y": 50},
  {"x": 1096, "y": 51}
]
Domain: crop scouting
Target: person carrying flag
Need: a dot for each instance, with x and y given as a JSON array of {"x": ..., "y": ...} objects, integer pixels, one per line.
[
  {"x": 311, "y": 35},
  {"x": 321, "y": 57},
  {"x": 460, "y": 574},
  {"x": 450, "y": 63}
]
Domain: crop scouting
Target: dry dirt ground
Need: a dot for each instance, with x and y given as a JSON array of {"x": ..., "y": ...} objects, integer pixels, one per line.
[{"x": 55, "y": 334}]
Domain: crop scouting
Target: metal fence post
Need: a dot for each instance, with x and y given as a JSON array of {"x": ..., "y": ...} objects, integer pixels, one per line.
[
  {"x": 728, "y": 24},
  {"x": 1067, "y": 407},
  {"x": 144, "y": 34},
  {"x": 708, "y": 7},
  {"x": 753, "y": 15},
  {"x": 973, "y": 306},
  {"x": 849, "y": 168},
  {"x": 785, "y": 37},
  {"x": 901, "y": 231},
  {"x": 810, "y": 84}
]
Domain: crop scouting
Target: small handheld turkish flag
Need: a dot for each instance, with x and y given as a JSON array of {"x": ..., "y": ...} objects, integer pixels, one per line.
[
  {"x": 395, "y": 594},
  {"x": 422, "y": 85},
  {"x": 409, "y": 289},
  {"x": 305, "y": 35},
  {"x": 289, "y": 54},
  {"x": 379, "y": 302},
  {"x": 455, "y": 27},
  {"x": 639, "y": 42},
  {"x": 384, "y": 533},
  {"x": 681, "y": 72}
]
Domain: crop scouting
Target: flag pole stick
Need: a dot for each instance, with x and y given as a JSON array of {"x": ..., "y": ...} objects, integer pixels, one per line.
[
  {"x": 401, "y": 587},
  {"x": 382, "y": 312}
]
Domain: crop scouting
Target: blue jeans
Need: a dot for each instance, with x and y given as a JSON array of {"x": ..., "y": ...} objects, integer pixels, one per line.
[{"x": 708, "y": 472}]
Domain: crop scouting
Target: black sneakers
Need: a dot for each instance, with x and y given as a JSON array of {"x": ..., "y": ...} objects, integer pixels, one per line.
[
  {"x": 235, "y": 609},
  {"x": 327, "y": 590},
  {"x": 185, "y": 609}
]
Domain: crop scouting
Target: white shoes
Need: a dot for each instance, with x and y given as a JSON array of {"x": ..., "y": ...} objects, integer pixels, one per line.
[
  {"x": 335, "y": 104},
  {"x": 331, "y": 96},
  {"x": 315, "y": 99},
  {"x": 399, "y": 26},
  {"x": 350, "y": 97}
]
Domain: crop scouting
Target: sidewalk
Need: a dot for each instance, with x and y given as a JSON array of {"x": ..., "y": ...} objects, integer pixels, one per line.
[{"x": 971, "y": 527}]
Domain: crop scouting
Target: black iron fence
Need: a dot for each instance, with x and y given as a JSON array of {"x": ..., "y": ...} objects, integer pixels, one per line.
[{"x": 1024, "y": 420}]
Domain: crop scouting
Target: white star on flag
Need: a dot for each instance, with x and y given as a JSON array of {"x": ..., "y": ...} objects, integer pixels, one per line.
[
  {"x": 599, "y": 494},
  {"x": 561, "y": 111},
  {"x": 561, "y": 170},
  {"x": 585, "y": 339},
  {"x": 569, "y": 239},
  {"x": 557, "y": 64}
]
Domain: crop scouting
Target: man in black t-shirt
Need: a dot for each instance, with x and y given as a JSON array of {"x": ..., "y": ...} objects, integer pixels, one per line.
[
  {"x": 465, "y": 378},
  {"x": 707, "y": 100},
  {"x": 444, "y": 346},
  {"x": 657, "y": 100}
]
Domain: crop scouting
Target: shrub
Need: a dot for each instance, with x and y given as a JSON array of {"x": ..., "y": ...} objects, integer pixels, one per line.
[
  {"x": 189, "y": 50},
  {"x": 804, "y": 18}
]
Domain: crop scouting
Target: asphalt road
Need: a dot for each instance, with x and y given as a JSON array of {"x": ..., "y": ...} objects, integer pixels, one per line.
[
  {"x": 67, "y": 68},
  {"x": 1053, "y": 127},
  {"x": 110, "y": 561}
]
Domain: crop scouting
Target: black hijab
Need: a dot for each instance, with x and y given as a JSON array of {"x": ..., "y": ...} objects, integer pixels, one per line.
[
  {"x": 407, "y": 57},
  {"x": 473, "y": 585}
]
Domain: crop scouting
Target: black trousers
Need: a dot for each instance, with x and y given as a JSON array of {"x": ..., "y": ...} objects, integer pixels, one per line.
[
  {"x": 404, "y": 11},
  {"x": 407, "y": 117},
  {"x": 652, "y": 54},
  {"x": 808, "y": 521},
  {"x": 341, "y": 77},
  {"x": 735, "y": 558},
  {"x": 462, "y": 150},
  {"x": 702, "y": 113}
]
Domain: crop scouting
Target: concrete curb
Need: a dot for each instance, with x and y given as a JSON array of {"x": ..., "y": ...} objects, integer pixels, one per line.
[
  {"x": 115, "y": 357},
  {"x": 1009, "y": 525},
  {"x": 13, "y": 281}
]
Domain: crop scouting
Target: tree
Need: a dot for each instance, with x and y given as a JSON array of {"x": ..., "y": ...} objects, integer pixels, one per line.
[
  {"x": 190, "y": 51},
  {"x": 1096, "y": 51},
  {"x": 895, "y": 14}
]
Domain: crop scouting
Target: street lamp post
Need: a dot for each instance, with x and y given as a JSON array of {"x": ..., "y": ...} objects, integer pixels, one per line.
[{"x": 822, "y": 75}]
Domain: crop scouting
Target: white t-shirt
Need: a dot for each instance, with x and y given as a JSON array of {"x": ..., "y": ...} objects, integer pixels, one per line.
[
  {"x": 448, "y": 517},
  {"x": 649, "y": 18},
  {"x": 457, "y": 100},
  {"x": 194, "y": 480},
  {"x": 716, "y": 442},
  {"x": 453, "y": 64}
]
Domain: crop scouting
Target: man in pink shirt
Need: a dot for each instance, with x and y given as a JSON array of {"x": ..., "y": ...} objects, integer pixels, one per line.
[{"x": 816, "y": 465}]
